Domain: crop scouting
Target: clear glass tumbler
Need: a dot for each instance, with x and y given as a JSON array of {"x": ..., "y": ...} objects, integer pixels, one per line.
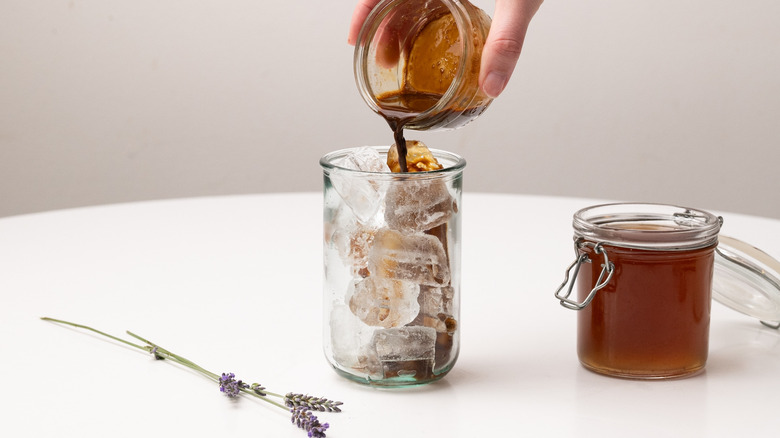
[{"x": 392, "y": 270}]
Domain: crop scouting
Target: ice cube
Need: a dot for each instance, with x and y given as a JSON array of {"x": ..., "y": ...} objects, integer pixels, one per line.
[
  {"x": 435, "y": 300},
  {"x": 360, "y": 191},
  {"x": 405, "y": 343},
  {"x": 352, "y": 342},
  {"x": 353, "y": 244},
  {"x": 347, "y": 335},
  {"x": 406, "y": 351},
  {"x": 365, "y": 159},
  {"x": 384, "y": 302},
  {"x": 418, "y": 205},
  {"x": 419, "y": 258},
  {"x": 436, "y": 309}
]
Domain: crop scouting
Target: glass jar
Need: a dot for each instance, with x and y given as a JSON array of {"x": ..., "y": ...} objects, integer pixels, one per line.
[
  {"x": 392, "y": 270},
  {"x": 644, "y": 285},
  {"x": 417, "y": 62}
]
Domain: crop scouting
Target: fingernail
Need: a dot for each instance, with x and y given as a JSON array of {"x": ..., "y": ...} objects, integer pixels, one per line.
[{"x": 494, "y": 84}]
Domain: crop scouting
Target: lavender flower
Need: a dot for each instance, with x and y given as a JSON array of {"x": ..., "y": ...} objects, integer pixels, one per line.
[
  {"x": 154, "y": 353},
  {"x": 304, "y": 419},
  {"x": 230, "y": 386},
  {"x": 312, "y": 403},
  {"x": 298, "y": 404},
  {"x": 258, "y": 389}
]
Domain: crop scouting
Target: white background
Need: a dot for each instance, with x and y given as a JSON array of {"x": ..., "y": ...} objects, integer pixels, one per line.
[{"x": 105, "y": 101}]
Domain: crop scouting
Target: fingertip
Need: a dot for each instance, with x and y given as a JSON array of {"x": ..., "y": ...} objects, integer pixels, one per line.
[
  {"x": 494, "y": 84},
  {"x": 353, "y": 34},
  {"x": 359, "y": 14}
]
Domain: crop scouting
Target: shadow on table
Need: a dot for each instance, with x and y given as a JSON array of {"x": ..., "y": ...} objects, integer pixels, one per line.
[{"x": 743, "y": 347}]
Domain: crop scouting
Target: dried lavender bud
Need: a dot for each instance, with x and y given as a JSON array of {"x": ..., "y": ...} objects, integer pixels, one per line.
[
  {"x": 230, "y": 386},
  {"x": 304, "y": 419},
  {"x": 258, "y": 389},
  {"x": 313, "y": 403},
  {"x": 156, "y": 355}
]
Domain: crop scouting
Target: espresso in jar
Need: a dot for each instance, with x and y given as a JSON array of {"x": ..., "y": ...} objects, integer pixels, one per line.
[{"x": 417, "y": 64}]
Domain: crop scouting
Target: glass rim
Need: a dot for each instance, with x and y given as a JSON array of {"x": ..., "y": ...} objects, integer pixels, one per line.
[{"x": 328, "y": 163}]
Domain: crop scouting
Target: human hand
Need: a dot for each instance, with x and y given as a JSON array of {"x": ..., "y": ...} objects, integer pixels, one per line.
[
  {"x": 504, "y": 43},
  {"x": 502, "y": 48}
]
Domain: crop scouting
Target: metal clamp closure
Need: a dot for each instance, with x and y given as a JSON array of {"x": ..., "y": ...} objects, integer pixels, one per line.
[{"x": 608, "y": 268}]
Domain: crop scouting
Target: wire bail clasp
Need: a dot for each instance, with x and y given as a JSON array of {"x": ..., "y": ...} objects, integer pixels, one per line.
[{"x": 608, "y": 268}]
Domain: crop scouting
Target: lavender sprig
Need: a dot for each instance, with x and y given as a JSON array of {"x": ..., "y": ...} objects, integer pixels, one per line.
[
  {"x": 304, "y": 419},
  {"x": 230, "y": 386},
  {"x": 299, "y": 405},
  {"x": 313, "y": 403}
]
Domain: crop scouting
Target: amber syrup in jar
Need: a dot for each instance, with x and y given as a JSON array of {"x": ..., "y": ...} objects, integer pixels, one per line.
[
  {"x": 652, "y": 318},
  {"x": 644, "y": 286}
]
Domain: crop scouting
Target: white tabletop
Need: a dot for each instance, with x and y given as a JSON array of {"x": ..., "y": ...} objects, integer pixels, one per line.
[{"x": 234, "y": 284}]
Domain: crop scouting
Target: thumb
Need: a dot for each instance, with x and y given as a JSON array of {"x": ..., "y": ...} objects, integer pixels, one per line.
[{"x": 504, "y": 43}]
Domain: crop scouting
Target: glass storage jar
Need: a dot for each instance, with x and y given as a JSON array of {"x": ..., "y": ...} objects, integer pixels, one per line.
[
  {"x": 644, "y": 278},
  {"x": 417, "y": 62}
]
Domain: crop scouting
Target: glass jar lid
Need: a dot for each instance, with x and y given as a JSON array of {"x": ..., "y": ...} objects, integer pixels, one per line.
[
  {"x": 647, "y": 226},
  {"x": 747, "y": 280}
]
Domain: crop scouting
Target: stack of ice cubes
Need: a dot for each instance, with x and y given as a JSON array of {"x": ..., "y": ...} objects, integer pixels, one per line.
[{"x": 391, "y": 235}]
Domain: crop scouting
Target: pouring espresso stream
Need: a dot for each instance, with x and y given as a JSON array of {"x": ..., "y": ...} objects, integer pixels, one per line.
[{"x": 438, "y": 68}]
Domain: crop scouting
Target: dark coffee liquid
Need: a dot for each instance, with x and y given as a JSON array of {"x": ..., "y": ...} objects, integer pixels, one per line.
[
  {"x": 399, "y": 104},
  {"x": 395, "y": 108},
  {"x": 399, "y": 108},
  {"x": 433, "y": 60},
  {"x": 423, "y": 85},
  {"x": 400, "y": 142}
]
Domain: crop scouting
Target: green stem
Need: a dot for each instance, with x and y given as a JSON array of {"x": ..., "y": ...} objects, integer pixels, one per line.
[
  {"x": 188, "y": 363},
  {"x": 166, "y": 354},
  {"x": 273, "y": 394},
  {"x": 256, "y": 395},
  {"x": 72, "y": 324},
  {"x": 176, "y": 358}
]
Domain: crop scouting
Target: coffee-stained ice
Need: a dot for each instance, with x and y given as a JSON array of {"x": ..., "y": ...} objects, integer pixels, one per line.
[
  {"x": 406, "y": 351},
  {"x": 436, "y": 309},
  {"x": 421, "y": 204},
  {"x": 396, "y": 318},
  {"x": 384, "y": 302},
  {"x": 419, "y": 258}
]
